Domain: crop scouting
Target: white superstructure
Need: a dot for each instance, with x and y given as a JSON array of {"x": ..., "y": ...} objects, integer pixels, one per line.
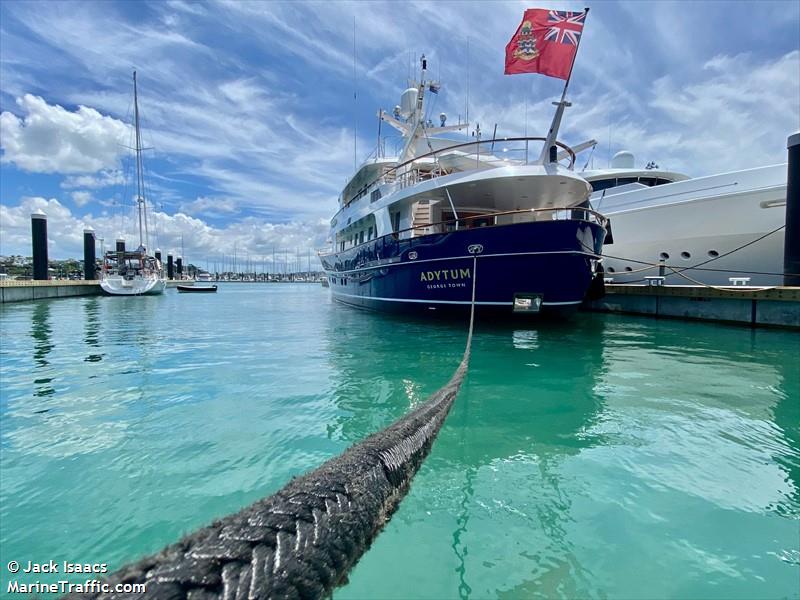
[
  {"x": 434, "y": 179},
  {"x": 707, "y": 228}
]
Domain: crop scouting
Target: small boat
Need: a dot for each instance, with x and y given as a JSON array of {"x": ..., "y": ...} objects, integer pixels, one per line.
[{"x": 197, "y": 288}]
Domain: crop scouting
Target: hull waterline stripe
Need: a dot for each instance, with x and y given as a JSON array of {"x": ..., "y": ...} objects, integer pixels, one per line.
[{"x": 419, "y": 301}]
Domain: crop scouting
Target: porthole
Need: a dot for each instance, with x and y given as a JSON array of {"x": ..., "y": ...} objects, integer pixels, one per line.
[
  {"x": 685, "y": 255},
  {"x": 611, "y": 270},
  {"x": 713, "y": 253},
  {"x": 628, "y": 269},
  {"x": 663, "y": 256}
]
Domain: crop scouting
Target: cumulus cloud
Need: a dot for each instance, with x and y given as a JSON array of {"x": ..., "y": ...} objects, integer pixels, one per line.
[
  {"x": 81, "y": 197},
  {"x": 51, "y": 139},
  {"x": 210, "y": 206},
  {"x": 105, "y": 178},
  {"x": 201, "y": 241}
]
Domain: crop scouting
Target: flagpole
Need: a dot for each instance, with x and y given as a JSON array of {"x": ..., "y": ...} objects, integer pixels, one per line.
[{"x": 554, "y": 126}]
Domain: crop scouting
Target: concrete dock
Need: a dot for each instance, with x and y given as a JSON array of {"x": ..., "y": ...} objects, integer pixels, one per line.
[
  {"x": 770, "y": 307},
  {"x": 21, "y": 291}
]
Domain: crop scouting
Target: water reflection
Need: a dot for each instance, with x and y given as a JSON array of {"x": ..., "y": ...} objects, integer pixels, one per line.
[
  {"x": 638, "y": 436},
  {"x": 381, "y": 369},
  {"x": 91, "y": 312},
  {"x": 525, "y": 410},
  {"x": 41, "y": 334}
]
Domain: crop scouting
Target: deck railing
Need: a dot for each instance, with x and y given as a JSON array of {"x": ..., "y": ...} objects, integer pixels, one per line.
[
  {"x": 489, "y": 219},
  {"x": 406, "y": 173}
]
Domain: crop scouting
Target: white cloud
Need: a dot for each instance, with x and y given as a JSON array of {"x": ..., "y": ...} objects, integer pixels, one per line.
[
  {"x": 210, "y": 206},
  {"x": 102, "y": 179},
  {"x": 81, "y": 197},
  {"x": 253, "y": 237},
  {"x": 51, "y": 139}
]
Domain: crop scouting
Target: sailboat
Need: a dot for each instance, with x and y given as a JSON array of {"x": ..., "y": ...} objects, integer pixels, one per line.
[{"x": 134, "y": 273}]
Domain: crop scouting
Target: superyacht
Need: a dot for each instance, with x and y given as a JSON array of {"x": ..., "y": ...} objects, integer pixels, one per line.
[
  {"x": 706, "y": 230},
  {"x": 409, "y": 226}
]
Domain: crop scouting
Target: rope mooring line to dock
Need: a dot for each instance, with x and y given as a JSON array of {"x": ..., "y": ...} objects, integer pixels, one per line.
[{"x": 302, "y": 541}]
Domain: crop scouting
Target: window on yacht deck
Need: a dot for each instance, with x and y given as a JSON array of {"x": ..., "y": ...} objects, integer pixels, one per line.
[
  {"x": 396, "y": 221},
  {"x": 361, "y": 237},
  {"x": 603, "y": 184},
  {"x": 369, "y": 233}
]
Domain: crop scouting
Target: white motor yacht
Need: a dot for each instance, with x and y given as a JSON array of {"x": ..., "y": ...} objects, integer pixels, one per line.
[{"x": 704, "y": 229}]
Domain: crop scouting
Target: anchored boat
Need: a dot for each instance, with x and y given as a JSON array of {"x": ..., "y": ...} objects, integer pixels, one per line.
[
  {"x": 409, "y": 226},
  {"x": 134, "y": 273},
  {"x": 197, "y": 289}
]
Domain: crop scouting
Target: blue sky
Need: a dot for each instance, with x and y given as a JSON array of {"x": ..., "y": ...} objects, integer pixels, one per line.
[{"x": 249, "y": 108}]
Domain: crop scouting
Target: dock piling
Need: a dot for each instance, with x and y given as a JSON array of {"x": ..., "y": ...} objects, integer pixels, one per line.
[
  {"x": 791, "y": 243},
  {"x": 39, "y": 239},
  {"x": 89, "y": 258},
  {"x": 170, "y": 267}
]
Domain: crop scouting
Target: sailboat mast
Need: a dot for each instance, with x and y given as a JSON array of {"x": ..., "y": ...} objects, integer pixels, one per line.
[{"x": 140, "y": 202}]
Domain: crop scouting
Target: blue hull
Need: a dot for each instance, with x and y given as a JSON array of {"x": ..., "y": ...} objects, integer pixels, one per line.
[{"x": 434, "y": 273}]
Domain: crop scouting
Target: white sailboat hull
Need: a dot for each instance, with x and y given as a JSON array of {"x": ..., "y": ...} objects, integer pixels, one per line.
[
  {"x": 699, "y": 221},
  {"x": 115, "y": 285}
]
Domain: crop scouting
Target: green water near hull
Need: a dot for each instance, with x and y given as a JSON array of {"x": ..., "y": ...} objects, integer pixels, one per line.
[{"x": 602, "y": 457}]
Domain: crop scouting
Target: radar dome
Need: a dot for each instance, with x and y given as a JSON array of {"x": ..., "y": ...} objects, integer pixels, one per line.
[
  {"x": 622, "y": 160},
  {"x": 408, "y": 101}
]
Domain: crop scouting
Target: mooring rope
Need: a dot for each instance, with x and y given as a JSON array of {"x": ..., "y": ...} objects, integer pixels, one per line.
[{"x": 303, "y": 540}]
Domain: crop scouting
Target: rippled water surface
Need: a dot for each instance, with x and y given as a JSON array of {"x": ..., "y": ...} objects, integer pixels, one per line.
[{"x": 605, "y": 457}]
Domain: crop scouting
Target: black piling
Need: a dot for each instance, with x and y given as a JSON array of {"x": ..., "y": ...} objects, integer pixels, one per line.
[
  {"x": 179, "y": 267},
  {"x": 89, "y": 258},
  {"x": 120, "y": 245},
  {"x": 170, "y": 267},
  {"x": 158, "y": 255},
  {"x": 39, "y": 237},
  {"x": 791, "y": 243}
]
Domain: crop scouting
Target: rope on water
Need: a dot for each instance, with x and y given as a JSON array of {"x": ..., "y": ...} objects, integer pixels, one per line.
[{"x": 303, "y": 540}]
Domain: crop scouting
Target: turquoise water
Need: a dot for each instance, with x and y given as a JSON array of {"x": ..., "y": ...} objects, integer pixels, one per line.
[{"x": 606, "y": 457}]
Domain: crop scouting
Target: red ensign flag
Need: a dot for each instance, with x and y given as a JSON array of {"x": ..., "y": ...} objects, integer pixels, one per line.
[{"x": 546, "y": 42}]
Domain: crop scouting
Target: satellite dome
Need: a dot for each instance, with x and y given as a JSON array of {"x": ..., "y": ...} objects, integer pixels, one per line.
[
  {"x": 408, "y": 102},
  {"x": 622, "y": 160}
]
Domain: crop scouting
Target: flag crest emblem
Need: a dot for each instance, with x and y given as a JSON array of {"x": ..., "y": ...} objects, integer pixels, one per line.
[{"x": 526, "y": 43}]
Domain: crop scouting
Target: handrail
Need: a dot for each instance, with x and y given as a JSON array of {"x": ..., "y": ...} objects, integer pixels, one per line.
[
  {"x": 463, "y": 145},
  {"x": 600, "y": 219}
]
